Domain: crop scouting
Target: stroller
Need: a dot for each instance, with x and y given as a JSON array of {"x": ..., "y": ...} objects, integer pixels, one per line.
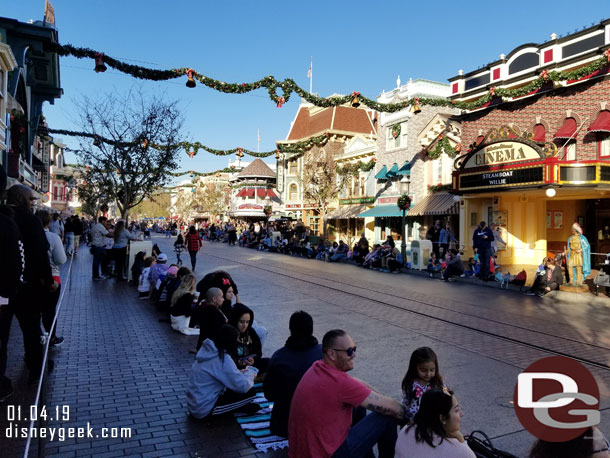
[{"x": 603, "y": 276}]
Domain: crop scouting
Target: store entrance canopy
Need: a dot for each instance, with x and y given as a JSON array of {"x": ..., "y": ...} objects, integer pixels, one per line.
[
  {"x": 381, "y": 211},
  {"x": 441, "y": 203}
]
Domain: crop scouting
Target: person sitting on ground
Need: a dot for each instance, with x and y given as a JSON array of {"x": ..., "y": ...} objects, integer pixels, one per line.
[
  {"x": 321, "y": 251},
  {"x": 435, "y": 432},
  {"x": 590, "y": 444},
  {"x": 156, "y": 251},
  {"x": 390, "y": 253},
  {"x": 182, "y": 306},
  {"x": 157, "y": 274},
  {"x": 208, "y": 315},
  {"x": 227, "y": 305},
  {"x": 320, "y": 419},
  {"x": 137, "y": 266},
  {"x": 331, "y": 250},
  {"x": 216, "y": 386},
  {"x": 551, "y": 280},
  {"x": 422, "y": 375},
  {"x": 217, "y": 279},
  {"x": 249, "y": 348},
  {"x": 455, "y": 266},
  {"x": 434, "y": 265},
  {"x": 472, "y": 268},
  {"x": 169, "y": 283},
  {"x": 143, "y": 281},
  {"x": 286, "y": 368},
  {"x": 373, "y": 259}
]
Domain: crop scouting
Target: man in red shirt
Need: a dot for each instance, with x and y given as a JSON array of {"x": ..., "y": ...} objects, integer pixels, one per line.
[{"x": 321, "y": 409}]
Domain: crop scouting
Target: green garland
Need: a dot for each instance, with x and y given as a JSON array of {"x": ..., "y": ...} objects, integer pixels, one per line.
[
  {"x": 442, "y": 144},
  {"x": 252, "y": 184},
  {"x": 439, "y": 187},
  {"x": 192, "y": 148},
  {"x": 288, "y": 86},
  {"x": 396, "y": 130},
  {"x": 203, "y": 174},
  {"x": 356, "y": 167},
  {"x": 404, "y": 202}
]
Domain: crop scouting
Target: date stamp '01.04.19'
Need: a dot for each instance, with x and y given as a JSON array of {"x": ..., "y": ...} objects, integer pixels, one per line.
[{"x": 18, "y": 418}]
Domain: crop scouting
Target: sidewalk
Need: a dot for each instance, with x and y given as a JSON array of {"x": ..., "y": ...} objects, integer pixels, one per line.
[{"x": 120, "y": 368}]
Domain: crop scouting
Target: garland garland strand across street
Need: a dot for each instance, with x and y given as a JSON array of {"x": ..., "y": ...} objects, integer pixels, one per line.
[
  {"x": 288, "y": 86},
  {"x": 192, "y": 148},
  {"x": 202, "y": 174}
]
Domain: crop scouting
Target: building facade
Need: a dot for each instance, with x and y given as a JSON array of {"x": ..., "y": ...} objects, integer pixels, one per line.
[{"x": 539, "y": 154}]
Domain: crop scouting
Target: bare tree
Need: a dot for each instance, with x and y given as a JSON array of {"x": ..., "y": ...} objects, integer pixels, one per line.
[
  {"x": 320, "y": 183},
  {"x": 132, "y": 143}
]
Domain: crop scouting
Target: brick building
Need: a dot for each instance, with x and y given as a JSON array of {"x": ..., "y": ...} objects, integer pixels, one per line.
[{"x": 538, "y": 161}]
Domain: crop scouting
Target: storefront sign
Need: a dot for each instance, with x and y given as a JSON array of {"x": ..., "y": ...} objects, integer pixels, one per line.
[
  {"x": 280, "y": 176},
  {"x": 387, "y": 200},
  {"x": 502, "y": 178},
  {"x": 502, "y": 153},
  {"x": 357, "y": 200},
  {"x": 250, "y": 207},
  {"x": 293, "y": 205}
]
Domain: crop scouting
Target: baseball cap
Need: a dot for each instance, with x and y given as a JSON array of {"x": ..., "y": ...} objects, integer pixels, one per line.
[{"x": 162, "y": 257}]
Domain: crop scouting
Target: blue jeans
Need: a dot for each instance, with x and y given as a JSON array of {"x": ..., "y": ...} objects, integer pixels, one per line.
[
  {"x": 337, "y": 257},
  {"x": 375, "y": 428},
  {"x": 98, "y": 255},
  {"x": 69, "y": 242}
]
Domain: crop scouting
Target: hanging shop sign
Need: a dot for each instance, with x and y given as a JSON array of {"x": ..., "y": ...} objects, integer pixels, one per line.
[
  {"x": 387, "y": 200},
  {"x": 293, "y": 206},
  {"x": 505, "y": 178},
  {"x": 357, "y": 200}
]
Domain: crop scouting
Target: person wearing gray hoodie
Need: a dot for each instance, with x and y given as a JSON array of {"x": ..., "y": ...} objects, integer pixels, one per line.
[{"x": 216, "y": 386}]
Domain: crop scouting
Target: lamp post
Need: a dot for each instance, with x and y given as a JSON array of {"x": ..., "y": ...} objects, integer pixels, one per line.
[
  {"x": 405, "y": 185},
  {"x": 267, "y": 209}
]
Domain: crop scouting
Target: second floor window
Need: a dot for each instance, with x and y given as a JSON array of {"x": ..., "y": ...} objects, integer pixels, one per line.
[
  {"x": 293, "y": 192},
  {"x": 293, "y": 167},
  {"x": 570, "y": 151},
  {"x": 604, "y": 147}
]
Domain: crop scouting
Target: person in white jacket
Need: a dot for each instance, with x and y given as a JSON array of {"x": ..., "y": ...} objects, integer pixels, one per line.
[
  {"x": 216, "y": 386},
  {"x": 57, "y": 257}
]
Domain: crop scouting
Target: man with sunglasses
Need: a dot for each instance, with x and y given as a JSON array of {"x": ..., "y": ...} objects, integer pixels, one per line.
[{"x": 320, "y": 423}]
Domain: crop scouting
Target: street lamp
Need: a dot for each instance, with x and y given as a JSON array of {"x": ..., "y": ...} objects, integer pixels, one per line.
[
  {"x": 405, "y": 185},
  {"x": 267, "y": 209}
]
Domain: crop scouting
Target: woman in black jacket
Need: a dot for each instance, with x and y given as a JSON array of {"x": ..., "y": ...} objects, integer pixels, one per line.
[{"x": 249, "y": 348}]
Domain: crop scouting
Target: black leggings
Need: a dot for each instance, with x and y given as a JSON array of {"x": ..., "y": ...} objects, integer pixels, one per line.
[{"x": 193, "y": 255}]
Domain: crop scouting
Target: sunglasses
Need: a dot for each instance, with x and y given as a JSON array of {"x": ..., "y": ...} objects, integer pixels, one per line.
[{"x": 350, "y": 351}]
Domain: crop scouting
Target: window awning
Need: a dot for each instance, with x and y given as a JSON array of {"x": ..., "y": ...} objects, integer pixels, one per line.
[
  {"x": 382, "y": 211},
  {"x": 249, "y": 192},
  {"x": 261, "y": 192},
  {"x": 241, "y": 192},
  {"x": 539, "y": 133},
  {"x": 601, "y": 123},
  {"x": 567, "y": 130},
  {"x": 271, "y": 194},
  {"x": 348, "y": 211},
  {"x": 393, "y": 171},
  {"x": 405, "y": 169},
  {"x": 440, "y": 203},
  {"x": 382, "y": 173}
]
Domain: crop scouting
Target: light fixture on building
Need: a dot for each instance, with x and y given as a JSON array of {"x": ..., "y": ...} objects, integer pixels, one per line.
[
  {"x": 550, "y": 192},
  {"x": 456, "y": 198}
]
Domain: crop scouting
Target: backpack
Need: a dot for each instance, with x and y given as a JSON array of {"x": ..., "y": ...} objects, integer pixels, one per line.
[{"x": 520, "y": 279}]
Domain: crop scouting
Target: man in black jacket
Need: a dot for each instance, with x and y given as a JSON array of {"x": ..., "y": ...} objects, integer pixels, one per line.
[
  {"x": 287, "y": 367},
  {"x": 548, "y": 281},
  {"x": 481, "y": 242},
  {"x": 37, "y": 278}
]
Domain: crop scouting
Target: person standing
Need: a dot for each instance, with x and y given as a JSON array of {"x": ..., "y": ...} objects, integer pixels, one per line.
[
  {"x": 57, "y": 257},
  {"x": 445, "y": 238},
  {"x": 433, "y": 234},
  {"x": 481, "y": 242},
  {"x": 579, "y": 256},
  {"x": 57, "y": 227},
  {"x": 98, "y": 245},
  {"x": 69, "y": 236},
  {"x": 193, "y": 244},
  {"x": 320, "y": 422},
  {"x": 121, "y": 238},
  {"x": 77, "y": 226},
  {"x": 37, "y": 279}
]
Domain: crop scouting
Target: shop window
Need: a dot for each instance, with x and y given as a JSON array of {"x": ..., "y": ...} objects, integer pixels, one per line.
[
  {"x": 293, "y": 192},
  {"x": 400, "y": 141},
  {"x": 362, "y": 186},
  {"x": 604, "y": 147},
  {"x": 314, "y": 224},
  {"x": 569, "y": 151},
  {"x": 293, "y": 167}
]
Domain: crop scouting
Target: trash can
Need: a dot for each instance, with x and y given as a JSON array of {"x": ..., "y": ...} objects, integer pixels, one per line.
[{"x": 420, "y": 252}]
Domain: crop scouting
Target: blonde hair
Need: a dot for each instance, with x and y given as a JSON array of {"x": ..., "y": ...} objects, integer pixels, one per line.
[{"x": 187, "y": 286}]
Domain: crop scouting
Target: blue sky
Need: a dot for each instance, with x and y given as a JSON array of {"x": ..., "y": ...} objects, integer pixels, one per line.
[{"x": 356, "y": 45}]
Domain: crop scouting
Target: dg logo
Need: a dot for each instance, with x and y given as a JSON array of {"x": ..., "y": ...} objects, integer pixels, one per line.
[{"x": 556, "y": 399}]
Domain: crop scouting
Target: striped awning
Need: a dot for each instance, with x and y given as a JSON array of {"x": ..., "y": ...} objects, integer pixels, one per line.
[
  {"x": 241, "y": 192},
  {"x": 348, "y": 211},
  {"x": 393, "y": 171},
  {"x": 567, "y": 130},
  {"x": 249, "y": 192},
  {"x": 261, "y": 192},
  {"x": 271, "y": 194},
  {"x": 381, "y": 211},
  {"x": 601, "y": 123},
  {"x": 382, "y": 173},
  {"x": 440, "y": 203}
]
